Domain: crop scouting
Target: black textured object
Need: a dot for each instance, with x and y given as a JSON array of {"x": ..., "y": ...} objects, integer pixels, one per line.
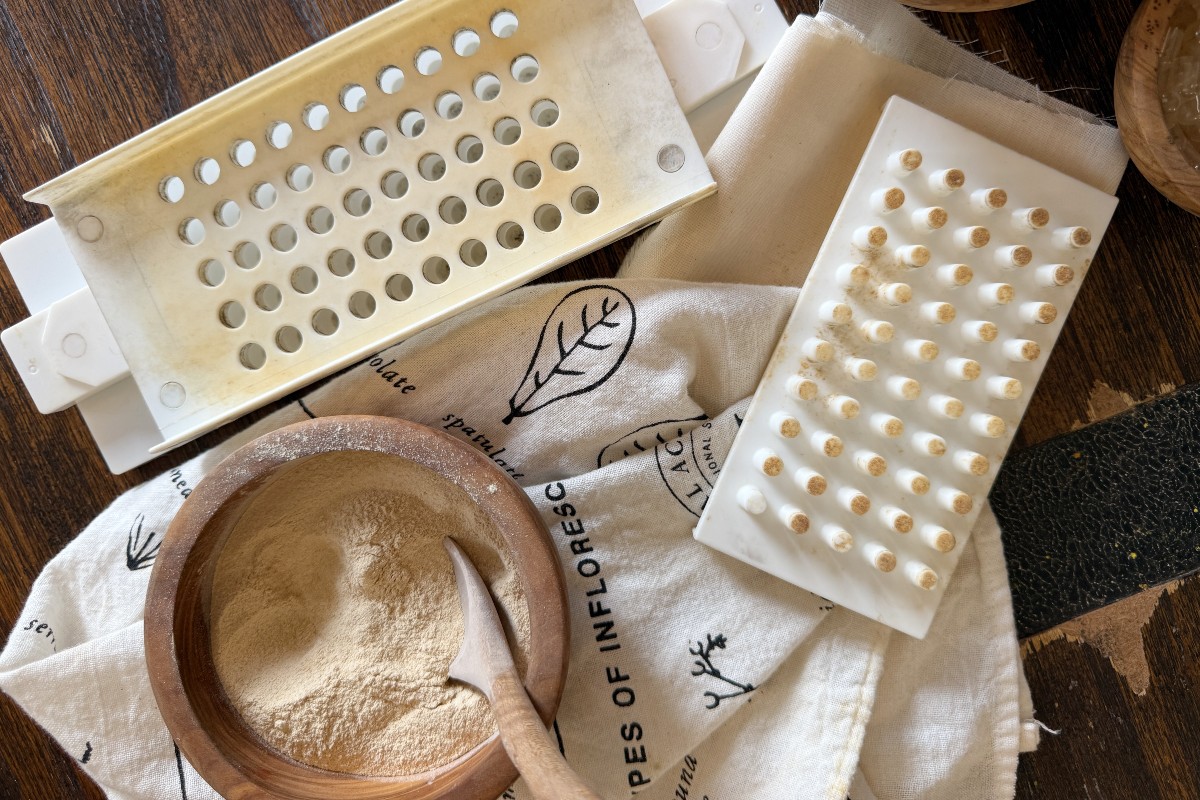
[{"x": 1099, "y": 514}]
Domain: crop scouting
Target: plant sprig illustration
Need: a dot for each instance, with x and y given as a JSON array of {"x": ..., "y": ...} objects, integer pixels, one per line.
[
  {"x": 139, "y": 552},
  {"x": 704, "y": 666}
]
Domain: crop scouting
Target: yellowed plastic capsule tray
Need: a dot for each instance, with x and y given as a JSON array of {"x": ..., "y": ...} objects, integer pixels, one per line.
[{"x": 438, "y": 153}]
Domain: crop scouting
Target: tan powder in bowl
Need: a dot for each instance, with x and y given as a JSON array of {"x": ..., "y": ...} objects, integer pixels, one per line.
[{"x": 335, "y": 615}]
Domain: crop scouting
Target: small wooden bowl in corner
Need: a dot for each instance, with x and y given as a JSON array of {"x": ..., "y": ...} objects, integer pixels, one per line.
[{"x": 222, "y": 748}]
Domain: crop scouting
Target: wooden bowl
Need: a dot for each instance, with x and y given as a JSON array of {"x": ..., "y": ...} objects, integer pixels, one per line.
[
  {"x": 964, "y": 5},
  {"x": 1138, "y": 100},
  {"x": 215, "y": 739}
]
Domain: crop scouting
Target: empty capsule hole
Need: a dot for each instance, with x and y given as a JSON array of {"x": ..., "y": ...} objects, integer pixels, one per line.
[
  {"x": 585, "y": 200},
  {"x": 453, "y": 210},
  {"x": 436, "y": 269},
  {"x": 212, "y": 272},
  {"x": 394, "y": 185},
  {"x": 315, "y": 116},
  {"x": 565, "y": 156},
  {"x": 243, "y": 152},
  {"x": 337, "y": 159},
  {"x": 320, "y": 220},
  {"x": 362, "y": 304},
  {"x": 503, "y": 24},
  {"x": 524, "y": 68},
  {"x": 399, "y": 287},
  {"x": 510, "y": 235},
  {"x": 473, "y": 252},
  {"x": 547, "y": 218},
  {"x": 449, "y": 105},
  {"x": 191, "y": 231},
  {"x": 232, "y": 315},
  {"x": 411, "y": 123},
  {"x": 428, "y": 61},
  {"x": 490, "y": 192},
  {"x": 373, "y": 141},
  {"x": 544, "y": 113},
  {"x": 469, "y": 149},
  {"x": 507, "y": 130},
  {"x": 268, "y": 297},
  {"x": 208, "y": 171},
  {"x": 390, "y": 79},
  {"x": 432, "y": 167},
  {"x": 325, "y": 321},
  {"x": 300, "y": 177},
  {"x": 170, "y": 188},
  {"x": 283, "y": 237},
  {"x": 263, "y": 195},
  {"x": 465, "y": 42},
  {"x": 527, "y": 174},
  {"x": 227, "y": 213},
  {"x": 279, "y": 134},
  {"x": 304, "y": 280},
  {"x": 486, "y": 87},
  {"x": 247, "y": 255},
  {"x": 252, "y": 356},
  {"x": 340, "y": 262},
  {"x": 415, "y": 227},
  {"x": 288, "y": 339},
  {"x": 353, "y": 97},
  {"x": 378, "y": 245},
  {"x": 357, "y": 202}
]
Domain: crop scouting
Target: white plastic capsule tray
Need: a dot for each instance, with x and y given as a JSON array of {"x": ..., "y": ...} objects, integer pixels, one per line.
[
  {"x": 905, "y": 368},
  {"x": 431, "y": 156}
]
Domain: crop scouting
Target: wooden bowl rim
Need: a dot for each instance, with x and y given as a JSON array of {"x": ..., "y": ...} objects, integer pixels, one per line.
[{"x": 243, "y": 473}]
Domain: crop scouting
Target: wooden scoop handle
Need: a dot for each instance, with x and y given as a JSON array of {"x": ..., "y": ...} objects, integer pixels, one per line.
[{"x": 529, "y": 745}]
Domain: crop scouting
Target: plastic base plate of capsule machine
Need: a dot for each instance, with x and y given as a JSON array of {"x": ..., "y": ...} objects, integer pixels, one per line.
[{"x": 896, "y": 389}]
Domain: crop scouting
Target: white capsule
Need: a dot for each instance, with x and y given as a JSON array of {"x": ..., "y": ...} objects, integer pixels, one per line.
[
  {"x": 981, "y": 331},
  {"x": 887, "y": 425},
  {"x": 1030, "y": 219},
  {"x": 751, "y": 499},
  {"x": 921, "y": 575},
  {"x": 903, "y": 162},
  {"x": 810, "y": 481},
  {"x": 1017, "y": 255},
  {"x": 835, "y": 313},
  {"x": 963, "y": 369},
  {"x": 971, "y": 463},
  {"x": 912, "y": 482},
  {"x": 945, "y": 181},
  {"x": 938, "y": 538},
  {"x": 869, "y": 237},
  {"x": 995, "y": 294},
  {"x": 937, "y": 312},
  {"x": 903, "y": 388},
  {"x": 895, "y": 294},
  {"x": 800, "y": 388},
  {"x": 861, "y": 369},
  {"x": 985, "y": 201},
  {"x": 952, "y": 276},
  {"x": 817, "y": 349},
  {"x": 870, "y": 463},
  {"x": 768, "y": 463},
  {"x": 785, "y": 425},
  {"x": 988, "y": 425},
  {"x": 946, "y": 406},
  {"x": 1038, "y": 313},
  {"x": 853, "y": 500},
  {"x": 1004, "y": 388},
  {"x": 1022, "y": 350},
  {"x": 1072, "y": 238},
  {"x": 928, "y": 220},
  {"x": 1053, "y": 275},
  {"x": 879, "y": 556},
  {"x": 972, "y": 237},
  {"x": 851, "y": 275},
  {"x": 837, "y": 538},
  {"x": 919, "y": 351},
  {"x": 885, "y": 201},
  {"x": 877, "y": 331},
  {"x": 955, "y": 500},
  {"x": 929, "y": 443},
  {"x": 913, "y": 255},
  {"x": 794, "y": 519},
  {"x": 826, "y": 443},
  {"x": 842, "y": 406},
  {"x": 897, "y": 519}
]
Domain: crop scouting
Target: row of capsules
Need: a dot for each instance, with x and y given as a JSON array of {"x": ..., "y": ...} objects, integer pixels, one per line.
[{"x": 870, "y": 239}]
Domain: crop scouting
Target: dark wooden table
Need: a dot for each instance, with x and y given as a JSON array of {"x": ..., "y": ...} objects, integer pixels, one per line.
[{"x": 80, "y": 76}]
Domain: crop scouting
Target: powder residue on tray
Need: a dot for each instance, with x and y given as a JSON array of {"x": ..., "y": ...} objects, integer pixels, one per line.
[{"x": 335, "y": 615}]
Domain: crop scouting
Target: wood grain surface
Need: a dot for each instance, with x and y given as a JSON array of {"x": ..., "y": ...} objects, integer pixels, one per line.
[{"x": 80, "y": 76}]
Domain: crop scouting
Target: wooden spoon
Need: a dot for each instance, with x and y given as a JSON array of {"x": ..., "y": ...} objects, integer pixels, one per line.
[{"x": 485, "y": 662}]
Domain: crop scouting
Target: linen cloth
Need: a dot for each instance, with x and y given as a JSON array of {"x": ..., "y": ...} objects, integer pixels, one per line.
[{"x": 713, "y": 680}]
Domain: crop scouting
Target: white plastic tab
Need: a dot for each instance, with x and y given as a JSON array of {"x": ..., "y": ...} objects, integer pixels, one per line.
[{"x": 41, "y": 265}]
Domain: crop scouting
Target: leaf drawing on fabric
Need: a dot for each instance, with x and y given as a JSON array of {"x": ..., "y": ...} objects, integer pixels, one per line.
[
  {"x": 583, "y": 342},
  {"x": 645, "y": 438},
  {"x": 139, "y": 551},
  {"x": 704, "y": 666}
]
